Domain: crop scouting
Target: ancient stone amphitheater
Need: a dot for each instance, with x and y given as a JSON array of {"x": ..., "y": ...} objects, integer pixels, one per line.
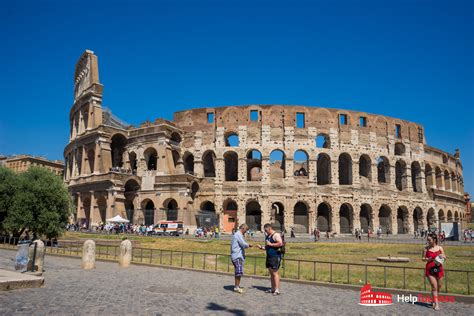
[{"x": 297, "y": 167}]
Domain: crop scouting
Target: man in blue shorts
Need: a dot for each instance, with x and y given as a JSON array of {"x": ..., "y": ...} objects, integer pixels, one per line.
[
  {"x": 237, "y": 253},
  {"x": 273, "y": 244}
]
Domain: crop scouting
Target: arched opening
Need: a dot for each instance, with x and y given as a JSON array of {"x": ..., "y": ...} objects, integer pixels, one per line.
[
  {"x": 131, "y": 188},
  {"x": 102, "y": 207},
  {"x": 450, "y": 216},
  {"x": 416, "y": 177},
  {"x": 431, "y": 218},
  {"x": 232, "y": 140},
  {"x": 402, "y": 220},
  {"x": 194, "y": 189},
  {"x": 254, "y": 165},
  {"x": 323, "y": 219},
  {"x": 365, "y": 217},
  {"x": 456, "y": 216},
  {"x": 301, "y": 221},
  {"x": 417, "y": 219},
  {"x": 428, "y": 176},
  {"x": 253, "y": 215},
  {"x": 151, "y": 158},
  {"x": 439, "y": 178},
  {"x": 207, "y": 215},
  {"x": 231, "y": 162},
  {"x": 132, "y": 157},
  {"x": 175, "y": 138},
  {"x": 176, "y": 158},
  {"x": 399, "y": 149},
  {"x": 149, "y": 212},
  {"x": 454, "y": 182},
  {"x": 346, "y": 218},
  {"x": 300, "y": 163},
  {"x": 324, "y": 169},
  {"x": 385, "y": 219},
  {"x": 86, "y": 205},
  {"x": 171, "y": 210},
  {"x": 441, "y": 217},
  {"x": 208, "y": 160},
  {"x": 117, "y": 148},
  {"x": 91, "y": 159},
  {"x": 345, "y": 169},
  {"x": 230, "y": 215},
  {"x": 189, "y": 163},
  {"x": 383, "y": 170},
  {"x": 401, "y": 175},
  {"x": 278, "y": 216},
  {"x": 277, "y": 164},
  {"x": 365, "y": 167},
  {"x": 447, "y": 180},
  {"x": 322, "y": 141}
]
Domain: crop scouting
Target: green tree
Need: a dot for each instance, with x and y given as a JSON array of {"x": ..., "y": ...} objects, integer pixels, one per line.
[
  {"x": 41, "y": 204},
  {"x": 9, "y": 185}
]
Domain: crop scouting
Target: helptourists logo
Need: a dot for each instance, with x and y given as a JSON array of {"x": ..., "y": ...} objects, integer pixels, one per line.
[{"x": 369, "y": 298}]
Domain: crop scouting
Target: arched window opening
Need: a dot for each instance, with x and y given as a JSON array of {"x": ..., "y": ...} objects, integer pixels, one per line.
[
  {"x": 208, "y": 160},
  {"x": 278, "y": 216},
  {"x": 171, "y": 209},
  {"x": 324, "y": 169},
  {"x": 447, "y": 180},
  {"x": 254, "y": 165},
  {"x": 189, "y": 163},
  {"x": 277, "y": 164},
  {"x": 439, "y": 178},
  {"x": 428, "y": 176},
  {"x": 417, "y": 219},
  {"x": 323, "y": 219},
  {"x": 91, "y": 159},
  {"x": 300, "y": 163},
  {"x": 399, "y": 149},
  {"x": 117, "y": 149},
  {"x": 383, "y": 170},
  {"x": 194, "y": 189},
  {"x": 402, "y": 220},
  {"x": 416, "y": 177},
  {"x": 151, "y": 158},
  {"x": 450, "y": 216},
  {"x": 431, "y": 218},
  {"x": 207, "y": 216},
  {"x": 231, "y": 162},
  {"x": 322, "y": 141},
  {"x": 132, "y": 157},
  {"x": 385, "y": 219},
  {"x": 441, "y": 216},
  {"x": 232, "y": 140},
  {"x": 301, "y": 222},
  {"x": 365, "y": 218},
  {"x": 345, "y": 169},
  {"x": 175, "y": 138},
  {"x": 149, "y": 213},
  {"x": 401, "y": 175},
  {"x": 253, "y": 215},
  {"x": 365, "y": 167},
  {"x": 346, "y": 218},
  {"x": 176, "y": 158}
]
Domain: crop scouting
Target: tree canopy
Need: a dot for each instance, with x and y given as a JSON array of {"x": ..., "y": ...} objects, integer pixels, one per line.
[{"x": 36, "y": 200}]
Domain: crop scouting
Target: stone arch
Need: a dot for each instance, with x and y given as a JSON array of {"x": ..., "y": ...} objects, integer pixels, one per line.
[
  {"x": 403, "y": 224},
  {"x": 385, "y": 218},
  {"x": 346, "y": 218},
  {"x": 231, "y": 163},
  {"x": 324, "y": 217},
  {"x": 418, "y": 218},
  {"x": 148, "y": 212},
  {"x": 366, "y": 217},
  {"x": 383, "y": 170},
  {"x": 253, "y": 215},
  {"x": 175, "y": 138},
  {"x": 277, "y": 216},
  {"x": 441, "y": 216},
  {"x": 439, "y": 178},
  {"x": 194, "y": 189},
  {"x": 301, "y": 217},
  {"x": 428, "y": 176},
  {"x": 207, "y": 215},
  {"x": 151, "y": 158},
  {"x": 323, "y": 169},
  {"x": 91, "y": 159},
  {"x": 399, "y": 149},
  {"x": 232, "y": 139},
  {"x": 456, "y": 216},
  {"x": 171, "y": 209},
  {"x": 447, "y": 180},
  {"x": 131, "y": 189},
  {"x": 365, "y": 167},
  {"x": 86, "y": 205},
  {"x": 209, "y": 164},
  {"x": 431, "y": 218},
  {"x": 450, "y": 216},
  {"x": 401, "y": 175},
  {"x": 277, "y": 164},
  {"x": 176, "y": 158},
  {"x": 300, "y": 163},
  {"x": 454, "y": 182},
  {"x": 322, "y": 141},
  {"x": 345, "y": 169},
  {"x": 132, "y": 158},
  {"x": 188, "y": 162},
  {"x": 254, "y": 165},
  {"x": 102, "y": 207},
  {"x": 416, "y": 177},
  {"x": 117, "y": 148}
]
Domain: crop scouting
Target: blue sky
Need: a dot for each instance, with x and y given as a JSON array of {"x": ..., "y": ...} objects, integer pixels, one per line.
[{"x": 408, "y": 59}]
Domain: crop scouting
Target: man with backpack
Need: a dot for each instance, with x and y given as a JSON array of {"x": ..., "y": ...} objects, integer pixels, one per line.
[{"x": 275, "y": 249}]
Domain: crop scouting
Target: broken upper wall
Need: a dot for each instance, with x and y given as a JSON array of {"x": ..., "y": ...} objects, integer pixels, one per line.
[{"x": 278, "y": 118}]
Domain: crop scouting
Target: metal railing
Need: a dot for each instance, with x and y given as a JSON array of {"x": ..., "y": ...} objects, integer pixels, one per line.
[{"x": 384, "y": 276}]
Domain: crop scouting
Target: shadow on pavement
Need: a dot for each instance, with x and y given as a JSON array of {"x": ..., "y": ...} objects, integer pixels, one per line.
[
  {"x": 217, "y": 307},
  {"x": 261, "y": 288}
]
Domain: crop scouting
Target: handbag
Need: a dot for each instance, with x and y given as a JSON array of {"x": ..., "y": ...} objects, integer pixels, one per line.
[{"x": 434, "y": 270}]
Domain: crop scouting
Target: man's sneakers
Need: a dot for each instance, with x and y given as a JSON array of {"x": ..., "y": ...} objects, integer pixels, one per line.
[
  {"x": 239, "y": 290},
  {"x": 276, "y": 292}
]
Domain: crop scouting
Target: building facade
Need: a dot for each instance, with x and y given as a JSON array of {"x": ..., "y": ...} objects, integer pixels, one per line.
[
  {"x": 294, "y": 166},
  {"x": 21, "y": 163}
]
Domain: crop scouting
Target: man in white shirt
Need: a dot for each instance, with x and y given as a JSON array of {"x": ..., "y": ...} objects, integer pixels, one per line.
[{"x": 237, "y": 253}]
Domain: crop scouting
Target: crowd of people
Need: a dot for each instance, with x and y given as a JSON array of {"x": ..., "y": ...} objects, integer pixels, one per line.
[{"x": 205, "y": 232}]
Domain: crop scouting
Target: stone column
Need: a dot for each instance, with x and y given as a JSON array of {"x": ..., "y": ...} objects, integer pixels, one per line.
[
  {"x": 335, "y": 224},
  {"x": 125, "y": 256},
  {"x": 110, "y": 204},
  {"x": 355, "y": 172},
  {"x": 199, "y": 168},
  {"x": 241, "y": 212},
  {"x": 88, "y": 255},
  {"x": 312, "y": 170},
  {"x": 80, "y": 207},
  {"x": 39, "y": 257},
  {"x": 242, "y": 169},
  {"x": 220, "y": 169},
  {"x": 265, "y": 169},
  {"x": 94, "y": 211},
  {"x": 334, "y": 171}
]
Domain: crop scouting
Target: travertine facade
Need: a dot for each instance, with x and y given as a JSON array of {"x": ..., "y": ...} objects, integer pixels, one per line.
[{"x": 294, "y": 166}]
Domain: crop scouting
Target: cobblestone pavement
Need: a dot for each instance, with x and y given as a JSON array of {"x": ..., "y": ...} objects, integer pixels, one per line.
[{"x": 141, "y": 290}]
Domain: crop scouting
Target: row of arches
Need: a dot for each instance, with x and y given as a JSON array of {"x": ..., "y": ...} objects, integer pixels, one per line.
[{"x": 443, "y": 179}]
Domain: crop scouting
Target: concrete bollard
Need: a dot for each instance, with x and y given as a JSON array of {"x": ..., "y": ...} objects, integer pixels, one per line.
[
  {"x": 88, "y": 255},
  {"x": 39, "y": 257},
  {"x": 125, "y": 256}
]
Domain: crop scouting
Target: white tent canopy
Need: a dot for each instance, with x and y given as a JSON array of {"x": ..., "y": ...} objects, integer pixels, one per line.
[{"x": 117, "y": 219}]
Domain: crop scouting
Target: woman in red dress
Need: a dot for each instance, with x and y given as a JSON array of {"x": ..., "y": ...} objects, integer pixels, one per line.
[{"x": 433, "y": 271}]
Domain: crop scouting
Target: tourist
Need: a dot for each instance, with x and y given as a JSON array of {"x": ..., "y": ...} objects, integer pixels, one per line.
[
  {"x": 292, "y": 233},
  {"x": 434, "y": 256},
  {"x": 237, "y": 254},
  {"x": 273, "y": 249},
  {"x": 315, "y": 234}
]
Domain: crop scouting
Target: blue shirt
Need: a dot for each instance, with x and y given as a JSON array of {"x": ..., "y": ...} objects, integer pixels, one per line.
[{"x": 237, "y": 246}]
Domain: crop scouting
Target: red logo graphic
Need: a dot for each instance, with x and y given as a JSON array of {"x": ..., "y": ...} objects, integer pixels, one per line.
[{"x": 369, "y": 298}]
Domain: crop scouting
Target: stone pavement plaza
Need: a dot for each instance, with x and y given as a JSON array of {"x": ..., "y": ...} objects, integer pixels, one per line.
[{"x": 142, "y": 290}]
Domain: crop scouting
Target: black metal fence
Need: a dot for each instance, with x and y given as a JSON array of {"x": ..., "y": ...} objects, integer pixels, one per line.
[{"x": 387, "y": 276}]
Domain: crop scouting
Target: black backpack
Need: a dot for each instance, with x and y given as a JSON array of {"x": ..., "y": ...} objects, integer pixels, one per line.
[{"x": 283, "y": 247}]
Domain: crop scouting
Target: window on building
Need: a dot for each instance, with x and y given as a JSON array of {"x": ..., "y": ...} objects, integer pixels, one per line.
[
  {"x": 398, "y": 131},
  {"x": 343, "y": 119},
  {"x": 253, "y": 115},
  {"x": 300, "y": 120},
  {"x": 420, "y": 135},
  {"x": 210, "y": 117},
  {"x": 363, "y": 121}
]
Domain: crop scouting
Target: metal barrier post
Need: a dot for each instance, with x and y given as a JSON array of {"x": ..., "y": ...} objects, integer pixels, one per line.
[
  {"x": 314, "y": 270},
  {"x": 330, "y": 275},
  {"x": 404, "y": 278}
]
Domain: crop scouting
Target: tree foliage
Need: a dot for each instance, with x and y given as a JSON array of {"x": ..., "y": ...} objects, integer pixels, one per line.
[{"x": 36, "y": 200}]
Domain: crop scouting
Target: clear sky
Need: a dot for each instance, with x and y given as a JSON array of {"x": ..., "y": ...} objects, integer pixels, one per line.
[{"x": 408, "y": 59}]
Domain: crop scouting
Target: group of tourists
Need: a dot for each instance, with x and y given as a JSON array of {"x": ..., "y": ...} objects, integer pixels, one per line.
[
  {"x": 468, "y": 235},
  {"x": 206, "y": 232}
]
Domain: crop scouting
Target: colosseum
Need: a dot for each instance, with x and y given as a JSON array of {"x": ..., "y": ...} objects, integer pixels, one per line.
[{"x": 296, "y": 167}]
